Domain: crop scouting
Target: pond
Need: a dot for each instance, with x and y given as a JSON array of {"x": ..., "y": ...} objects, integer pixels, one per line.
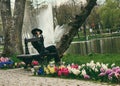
[{"x": 101, "y": 45}]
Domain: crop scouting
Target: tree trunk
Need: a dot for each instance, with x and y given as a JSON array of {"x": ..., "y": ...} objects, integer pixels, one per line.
[
  {"x": 12, "y": 26},
  {"x": 73, "y": 27},
  {"x": 7, "y": 23}
]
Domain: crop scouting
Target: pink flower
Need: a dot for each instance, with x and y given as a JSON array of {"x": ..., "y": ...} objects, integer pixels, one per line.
[
  {"x": 115, "y": 68},
  {"x": 111, "y": 74},
  {"x": 65, "y": 71},
  {"x": 59, "y": 73},
  {"x": 2, "y": 59},
  {"x": 86, "y": 76},
  {"x": 108, "y": 71},
  {"x": 74, "y": 66},
  {"x": 117, "y": 75},
  {"x": 102, "y": 70},
  {"x": 118, "y": 70},
  {"x": 101, "y": 74}
]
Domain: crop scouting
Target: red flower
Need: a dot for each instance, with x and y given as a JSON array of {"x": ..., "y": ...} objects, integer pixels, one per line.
[
  {"x": 56, "y": 68},
  {"x": 74, "y": 66},
  {"x": 59, "y": 73},
  {"x": 35, "y": 63}
]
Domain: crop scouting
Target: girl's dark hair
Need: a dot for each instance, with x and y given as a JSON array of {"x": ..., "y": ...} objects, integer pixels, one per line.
[{"x": 35, "y": 30}]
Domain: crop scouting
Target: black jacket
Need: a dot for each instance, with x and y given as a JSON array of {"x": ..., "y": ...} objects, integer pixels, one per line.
[{"x": 39, "y": 45}]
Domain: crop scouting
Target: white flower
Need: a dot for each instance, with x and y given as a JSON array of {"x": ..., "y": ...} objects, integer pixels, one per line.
[
  {"x": 75, "y": 71},
  {"x": 104, "y": 66},
  {"x": 98, "y": 64},
  {"x": 32, "y": 70},
  {"x": 83, "y": 65},
  {"x": 72, "y": 64},
  {"x": 69, "y": 68},
  {"x": 96, "y": 70},
  {"x": 52, "y": 62},
  {"x": 79, "y": 67},
  {"x": 113, "y": 65},
  {"x": 93, "y": 67},
  {"x": 88, "y": 64},
  {"x": 36, "y": 67},
  {"x": 63, "y": 63},
  {"x": 92, "y": 64},
  {"x": 83, "y": 72}
]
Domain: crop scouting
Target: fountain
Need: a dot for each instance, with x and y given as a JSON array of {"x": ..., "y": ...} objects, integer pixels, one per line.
[{"x": 42, "y": 18}]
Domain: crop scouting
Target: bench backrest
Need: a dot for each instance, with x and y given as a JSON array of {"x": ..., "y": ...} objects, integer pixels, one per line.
[{"x": 26, "y": 43}]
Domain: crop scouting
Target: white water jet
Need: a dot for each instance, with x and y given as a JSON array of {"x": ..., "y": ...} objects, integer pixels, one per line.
[
  {"x": 43, "y": 19},
  {"x": 45, "y": 22}
]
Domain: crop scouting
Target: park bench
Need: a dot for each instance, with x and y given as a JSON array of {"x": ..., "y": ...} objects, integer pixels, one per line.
[{"x": 28, "y": 58}]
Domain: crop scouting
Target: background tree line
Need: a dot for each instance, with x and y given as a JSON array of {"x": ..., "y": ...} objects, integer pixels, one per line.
[{"x": 103, "y": 16}]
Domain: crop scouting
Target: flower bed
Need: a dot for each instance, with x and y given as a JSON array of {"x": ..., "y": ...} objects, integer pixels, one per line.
[
  {"x": 6, "y": 62},
  {"x": 93, "y": 71}
]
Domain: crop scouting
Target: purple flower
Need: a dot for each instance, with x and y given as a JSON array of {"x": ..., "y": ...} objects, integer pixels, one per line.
[
  {"x": 101, "y": 74},
  {"x": 111, "y": 74},
  {"x": 102, "y": 70},
  {"x": 115, "y": 68},
  {"x": 40, "y": 71},
  {"x": 118, "y": 70},
  {"x": 108, "y": 71}
]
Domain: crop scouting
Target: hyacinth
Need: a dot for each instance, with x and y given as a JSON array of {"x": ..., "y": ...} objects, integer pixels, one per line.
[
  {"x": 40, "y": 71},
  {"x": 5, "y": 62}
]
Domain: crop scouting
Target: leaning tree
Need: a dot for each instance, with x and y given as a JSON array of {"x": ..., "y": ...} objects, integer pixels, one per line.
[
  {"x": 12, "y": 25},
  {"x": 73, "y": 26}
]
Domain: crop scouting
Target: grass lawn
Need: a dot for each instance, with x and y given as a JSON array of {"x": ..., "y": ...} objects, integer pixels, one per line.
[{"x": 103, "y": 58}]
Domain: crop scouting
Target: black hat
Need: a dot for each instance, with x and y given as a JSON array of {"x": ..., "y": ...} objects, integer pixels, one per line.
[{"x": 35, "y": 30}]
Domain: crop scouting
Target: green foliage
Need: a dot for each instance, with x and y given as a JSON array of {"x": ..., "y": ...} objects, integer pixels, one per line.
[
  {"x": 103, "y": 58},
  {"x": 110, "y": 14},
  {"x": 14, "y": 58}
]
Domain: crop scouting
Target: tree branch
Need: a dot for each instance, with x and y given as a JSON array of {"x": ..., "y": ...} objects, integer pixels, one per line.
[{"x": 73, "y": 27}]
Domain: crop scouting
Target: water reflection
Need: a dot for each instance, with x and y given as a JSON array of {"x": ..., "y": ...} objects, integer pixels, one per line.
[{"x": 104, "y": 45}]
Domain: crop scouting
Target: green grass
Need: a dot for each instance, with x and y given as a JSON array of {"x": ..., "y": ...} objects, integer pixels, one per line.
[{"x": 104, "y": 58}]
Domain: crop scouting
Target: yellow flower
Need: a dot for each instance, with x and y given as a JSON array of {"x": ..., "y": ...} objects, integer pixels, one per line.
[
  {"x": 51, "y": 69},
  {"x": 46, "y": 70}
]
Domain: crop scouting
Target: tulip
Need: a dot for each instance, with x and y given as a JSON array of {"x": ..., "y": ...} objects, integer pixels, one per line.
[
  {"x": 35, "y": 63},
  {"x": 59, "y": 73}
]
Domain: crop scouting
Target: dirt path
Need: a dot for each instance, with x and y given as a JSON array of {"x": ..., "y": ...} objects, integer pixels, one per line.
[{"x": 20, "y": 77}]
